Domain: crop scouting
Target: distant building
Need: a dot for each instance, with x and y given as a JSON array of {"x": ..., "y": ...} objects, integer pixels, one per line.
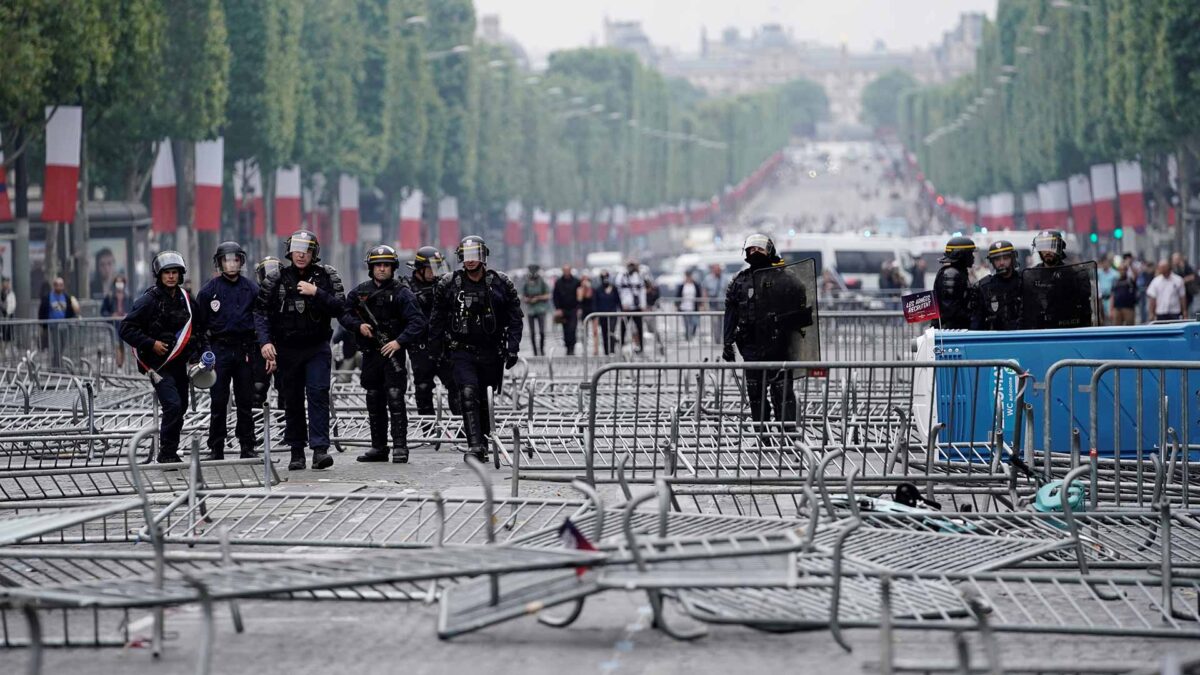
[
  {"x": 489, "y": 32},
  {"x": 629, "y": 36}
]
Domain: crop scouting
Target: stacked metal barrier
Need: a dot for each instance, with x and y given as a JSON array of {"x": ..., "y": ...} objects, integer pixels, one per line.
[{"x": 895, "y": 495}]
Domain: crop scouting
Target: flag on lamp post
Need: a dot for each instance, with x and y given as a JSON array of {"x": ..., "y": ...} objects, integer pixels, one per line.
[
  {"x": 1032, "y": 209},
  {"x": 410, "y": 221},
  {"x": 514, "y": 235},
  {"x": 163, "y": 217},
  {"x": 348, "y": 208},
  {"x": 210, "y": 174},
  {"x": 60, "y": 189},
  {"x": 564, "y": 226},
  {"x": 1130, "y": 197},
  {"x": 287, "y": 200},
  {"x": 1079, "y": 188},
  {"x": 541, "y": 226},
  {"x": 5, "y": 208},
  {"x": 1104, "y": 195},
  {"x": 448, "y": 230}
]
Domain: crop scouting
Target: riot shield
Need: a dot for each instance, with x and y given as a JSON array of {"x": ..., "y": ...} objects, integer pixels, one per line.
[
  {"x": 1060, "y": 297},
  {"x": 785, "y": 308}
]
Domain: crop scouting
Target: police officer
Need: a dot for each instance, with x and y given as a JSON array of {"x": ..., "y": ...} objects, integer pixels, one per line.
[
  {"x": 160, "y": 329},
  {"x": 425, "y": 364},
  {"x": 999, "y": 305},
  {"x": 383, "y": 314},
  {"x": 755, "y": 341},
  {"x": 293, "y": 319},
  {"x": 1064, "y": 293},
  {"x": 952, "y": 286},
  {"x": 477, "y": 317},
  {"x": 226, "y": 316},
  {"x": 1051, "y": 248}
]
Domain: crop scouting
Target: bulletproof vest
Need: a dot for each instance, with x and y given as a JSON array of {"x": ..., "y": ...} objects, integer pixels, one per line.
[
  {"x": 1000, "y": 302},
  {"x": 425, "y": 291},
  {"x": 472, "y": 312},
  {"x": 953, "y": 291},
  {"x": 169, "y": 316},
  {"x": 299, "y": 317},
  {"x": 741, "y": 290},
  {"x": 382, "y": 300}
]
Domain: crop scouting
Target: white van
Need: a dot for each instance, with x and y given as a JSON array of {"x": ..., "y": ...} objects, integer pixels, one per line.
[{"x": 857, "y": 258}]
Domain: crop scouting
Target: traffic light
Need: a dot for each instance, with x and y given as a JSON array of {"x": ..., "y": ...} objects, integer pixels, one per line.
[
  {"x": 1093, "y": 237},
  {"x": 1118, "y": 233}
]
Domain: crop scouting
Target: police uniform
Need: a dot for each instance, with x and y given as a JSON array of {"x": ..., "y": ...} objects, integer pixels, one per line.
[
  {"x": 425, "y": 364},
  {"x": 757, "y": 341},
  {"x": 226, "y": 310},
  {"x": 479, "y": 325},
  {"x": 999, "y": 294},
  {"x": 1062, "y": 292},
  {"x": 165, "y": 315},
  {"x": 300, "y": 328},
  {"x": 392, "y": 312},
  {"x": 952, "y": 286}
]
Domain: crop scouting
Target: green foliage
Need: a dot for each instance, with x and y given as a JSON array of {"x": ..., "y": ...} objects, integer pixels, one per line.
[{"x": 881, "y": 98}]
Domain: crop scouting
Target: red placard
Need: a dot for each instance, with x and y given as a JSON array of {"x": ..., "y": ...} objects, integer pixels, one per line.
[{"x": 919, "y": 307}]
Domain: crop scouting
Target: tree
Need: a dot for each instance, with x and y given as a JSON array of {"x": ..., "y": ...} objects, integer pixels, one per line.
[{"x": 881, "y": 98}]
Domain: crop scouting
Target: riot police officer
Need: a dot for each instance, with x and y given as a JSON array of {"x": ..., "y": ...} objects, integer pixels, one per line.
[
  {"x": 477, "y": 320},
  {"x": 999, "y": 305},
  {"x": 160, "y": 330},
  {"x": 755, "y": 340},
  {"x": 226, "y": 314},
  {"x": 266, "y": 268},
  {"x": 1051, "y": 248},
  {"x": 293, "y": 319},
  {"x": 383, "y": 314},
  {"x": 952, "y": 286},
  {"x": 425, "y": 364}
]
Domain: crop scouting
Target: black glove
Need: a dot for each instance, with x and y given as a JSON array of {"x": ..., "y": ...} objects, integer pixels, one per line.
[
  {"x": 510, "y": 361},
  {"x": 727, "y": 355}
]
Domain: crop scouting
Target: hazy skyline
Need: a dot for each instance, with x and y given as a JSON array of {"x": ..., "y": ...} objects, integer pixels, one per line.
[{"x": 543, "y": 26}]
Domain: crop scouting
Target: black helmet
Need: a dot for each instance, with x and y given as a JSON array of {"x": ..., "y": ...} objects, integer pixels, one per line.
[
  {"x": 471, "y": 248},
  {"x": 303, "y": 240},
  {"x": 427, "y": 256},
  {"x": 382, "y": 254},
  {"x": 168, "y": 260},
  {"x": 959, "y": 250},
  {"x": 761, "y": 241},
  {"x": 999, "y": 248},
  {"x": 1050, "y": 241},
  {"x": 229, "y": 248},
  {"x": 267, "y": 267}
]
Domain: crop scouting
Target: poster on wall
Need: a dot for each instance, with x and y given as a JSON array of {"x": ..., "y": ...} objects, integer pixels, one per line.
[{"x": 108, "y": 258}]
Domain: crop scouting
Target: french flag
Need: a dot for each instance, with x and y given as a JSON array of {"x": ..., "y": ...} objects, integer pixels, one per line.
[
  {"x": 1033, "y": 210},
  {"x": 5, "y": 207},
  {"x": 210, "y": 169},
  {"x": 410, "y": 220},
  {"x": 60, "y": 189},
  {"x": 287, "y": 200},
  {"x": 448, "y": 232},
  {"x": 163, "y": 216},
  {"x": 514, "y": 234},
  {"x": 620, "y": 221},
  {"x": 1003, "y": 207},
  {"x": 583, "y": 228},
  {"x": 563, "y": 225},
  {"x": 1079, "y": 188},
  {"x": 573, "y": 539},
  {"x": 602, "y": 225},
  {"x": 348, "y": 208},
  {"x": 541, "y": 226},
  {"x": 1131, "y": 199},
  {"x": 1055, "y": 205},
  {"x": 1104, "y": 195},
  {"x": 248, "y": 193}
]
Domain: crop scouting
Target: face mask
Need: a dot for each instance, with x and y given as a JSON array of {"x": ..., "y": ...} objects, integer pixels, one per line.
[
  {"x": 757, "y": 258},
  {"x": 120, "y": 285}
]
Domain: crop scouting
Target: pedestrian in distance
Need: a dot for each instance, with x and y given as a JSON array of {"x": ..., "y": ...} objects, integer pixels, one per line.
[
  {"x": 536, "y": 294},
  {"x": 1167, "y": 294},
  {"x": 566, "y": 307}
]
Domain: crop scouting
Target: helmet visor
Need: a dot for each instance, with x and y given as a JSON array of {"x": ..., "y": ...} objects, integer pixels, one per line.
[
  {"x": 1045, "y": 244},
  {"x": 300, "y": 245},
  {"x": 231, "y": 262},
  {"x": 472, "y": 251},
  {"x": 169, "y": 259},
  {"x": 757, "y": 241}
]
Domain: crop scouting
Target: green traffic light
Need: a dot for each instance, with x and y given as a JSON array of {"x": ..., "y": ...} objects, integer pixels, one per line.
[
  {"x": 1118, "y": 233},
  {"x": 1095, "y": 238}
]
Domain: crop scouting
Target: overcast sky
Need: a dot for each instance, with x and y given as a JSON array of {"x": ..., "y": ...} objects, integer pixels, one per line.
[{"x": 543, "y": 26}]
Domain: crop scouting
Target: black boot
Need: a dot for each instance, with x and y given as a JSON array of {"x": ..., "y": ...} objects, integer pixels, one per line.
[
  {"x": 169, "y": 457},
  {"x": 248, "y": 452},
  {"x": 372, "y": 455},
  {"x": 321, "y": 458},
  {"x": 298, "y": 462},
  {"x": 400, "y": 454},
  {"x": 215, "y": 454},
  {"x": 479, "y": 452},
  {"x": 476, "y": 443}
]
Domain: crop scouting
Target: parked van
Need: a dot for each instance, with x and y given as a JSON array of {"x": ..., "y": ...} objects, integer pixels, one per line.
[{"x": 858, "y": 259}]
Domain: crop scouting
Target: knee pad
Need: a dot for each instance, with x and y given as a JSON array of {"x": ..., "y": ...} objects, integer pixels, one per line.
[
  {"x": 423, "y": 389},
  {"x": 395, "y": 397},
  {"x": 469, "y": 398}
]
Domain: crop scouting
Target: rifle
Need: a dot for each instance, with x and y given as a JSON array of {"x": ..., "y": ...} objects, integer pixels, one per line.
[{"x": 381, "y": 337}]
